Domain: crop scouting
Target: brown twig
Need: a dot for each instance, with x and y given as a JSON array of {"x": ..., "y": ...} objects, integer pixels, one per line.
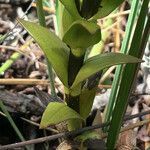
[
  {"x": 68, "y": 134},
  {"x": 33, "y": 123},
  {"x": 23, "y": 82},
  {"x": 127, "y": 117},
  {"x": 38, "y": 125},
  {"x": 74, "y": 133},
  {"x": 131, "y": 126},
  {"x": 106, "y": 74},
  {"x": 117, "y": 15},
  {"x": 117, "y": 36},
  {"x": 104, "y": 86}
]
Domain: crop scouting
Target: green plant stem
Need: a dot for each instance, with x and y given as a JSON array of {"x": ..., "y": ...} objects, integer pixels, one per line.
[
  {"x": 90, "y": 89},
  {"x": 124, "y": 49},
  {"x": 76, "y": 59},
  {"x": 2, "y": 106},
  {"x": 42, "y": 22},
  {"x": 73, "y": 102},
  {"x": 137, "y": 49},
  {"x": 9, "y": 62},
  {"x": 75, "y": 63},
  {"x": 89, "y": 8}
]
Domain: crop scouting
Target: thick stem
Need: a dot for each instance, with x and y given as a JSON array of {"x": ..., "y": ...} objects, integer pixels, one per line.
[
  {"x": 73, "y": 102},
  {"x": 89, "y": 8},
  {"x": 75, "y": 63}
]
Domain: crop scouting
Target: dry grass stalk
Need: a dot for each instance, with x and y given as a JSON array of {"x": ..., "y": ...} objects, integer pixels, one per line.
[{"x": 24, "y": 82}]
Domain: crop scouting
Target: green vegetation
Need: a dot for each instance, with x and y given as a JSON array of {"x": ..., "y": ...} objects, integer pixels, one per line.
[{"x": 66, "y": 54}]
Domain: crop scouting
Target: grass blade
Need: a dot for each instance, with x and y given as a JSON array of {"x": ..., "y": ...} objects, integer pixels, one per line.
[
  {"x": 59, "y": 13},
  {"x": 138, "y": 42},
  {"x": 42, "y": 22},
  {"x": 124, "y": 49},
  {"x": 2, "y": 106},
  {"x": 9, "y": 62}
]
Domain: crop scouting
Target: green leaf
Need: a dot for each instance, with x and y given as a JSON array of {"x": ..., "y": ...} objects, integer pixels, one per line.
[
  {"x": 124, "y": 49},
  {"x": 58, "y": 112},
  {"x": 137, "y": 47},
  {"x": 70, "y": 5},
  {"x": 82, "y": 34},
  {"x": 107, "y": 6},
  {"x": 91, "y": 140},
  {"x": 55, "y": 50},
  {"x": 74, "y": 124},
  {"x": 86, "y": 101},
  {"x": 99, "y": 62},
  {"x": 66, "y": 23},
  {"x": 88, "y": 135}
]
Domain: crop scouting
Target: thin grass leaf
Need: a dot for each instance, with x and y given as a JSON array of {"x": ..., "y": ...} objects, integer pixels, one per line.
[
  {"x": 2, "y": 106},
  {"x": 40, "y": 13},
  {"x": 12, "y": 58},
  {"x": 59, "y": 12},
  {"x": 42, "y": 22},
  {"x": 9, "y": 62},
  {"x": 124, "y": 49},
  {"x": 136, "y": 49}
]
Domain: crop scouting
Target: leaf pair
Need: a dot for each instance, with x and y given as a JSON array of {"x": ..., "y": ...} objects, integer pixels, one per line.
[
  {"x": 57, "y": 53},
  {"x": 78, "y": 33}
]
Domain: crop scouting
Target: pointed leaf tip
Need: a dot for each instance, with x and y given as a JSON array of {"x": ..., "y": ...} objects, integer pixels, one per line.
[
  {"x": 55, "y": 50},
  {"x": 100, "y": 62},
  {"x": 107, "y": 6}
]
